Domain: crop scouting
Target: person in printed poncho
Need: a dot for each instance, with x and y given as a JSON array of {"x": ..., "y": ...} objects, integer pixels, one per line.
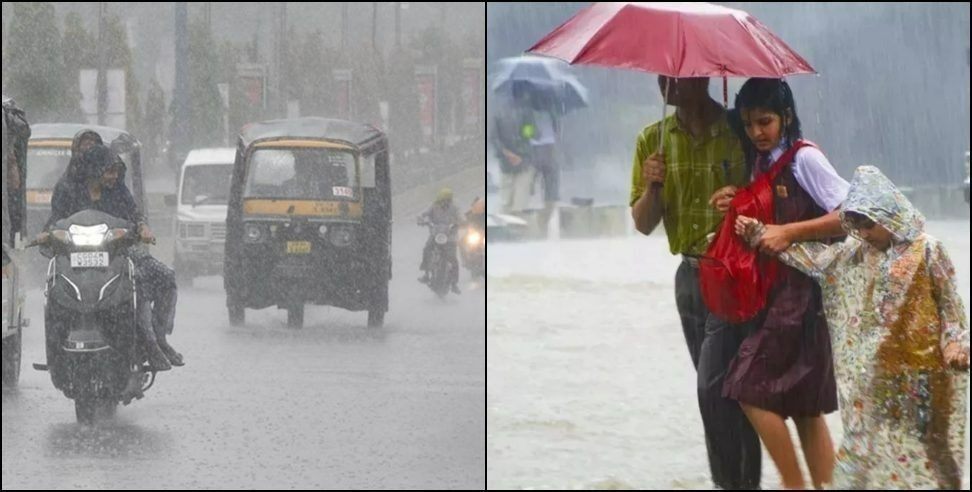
[{"x": 900, "y": 340}]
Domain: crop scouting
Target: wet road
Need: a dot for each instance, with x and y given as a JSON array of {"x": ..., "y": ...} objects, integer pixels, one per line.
[{"x": 334, "y": 405}]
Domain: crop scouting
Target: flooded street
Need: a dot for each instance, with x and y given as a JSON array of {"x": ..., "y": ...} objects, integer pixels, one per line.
[{"x": 591, "y": 385}]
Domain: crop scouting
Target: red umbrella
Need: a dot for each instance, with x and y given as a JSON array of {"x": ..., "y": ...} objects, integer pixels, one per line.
[{"x": 673, "y": 39}]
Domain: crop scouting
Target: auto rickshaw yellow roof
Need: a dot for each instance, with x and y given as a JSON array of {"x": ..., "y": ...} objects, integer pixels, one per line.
[
  {"x": 312, "y": 128},
  {"x": 67, "y": 131}
]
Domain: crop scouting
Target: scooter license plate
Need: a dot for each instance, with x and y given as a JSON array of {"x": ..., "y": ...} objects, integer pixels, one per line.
[
  {"x": 89, "y": 260},
  {"x": 298, "y": 247}
]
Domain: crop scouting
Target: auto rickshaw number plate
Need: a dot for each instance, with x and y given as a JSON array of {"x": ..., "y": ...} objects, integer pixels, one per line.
[
  {"x": 298, "y": 247},
  {"x": 89, "y": 260}
]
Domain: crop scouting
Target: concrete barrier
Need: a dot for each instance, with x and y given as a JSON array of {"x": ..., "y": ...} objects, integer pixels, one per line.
[
  {"x": 588, "y": 221},
  {"x": 575, "y": 222}
]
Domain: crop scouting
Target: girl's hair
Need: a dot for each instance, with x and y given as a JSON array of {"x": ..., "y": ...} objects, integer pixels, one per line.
[{"x": 770, "y": 94}]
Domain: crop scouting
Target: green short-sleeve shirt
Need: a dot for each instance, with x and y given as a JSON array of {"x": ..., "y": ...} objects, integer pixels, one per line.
[{"x": 694, "y": 170}]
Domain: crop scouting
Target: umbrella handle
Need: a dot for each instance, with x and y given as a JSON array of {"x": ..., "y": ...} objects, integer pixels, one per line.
[
  {"x": 661, "y": 136},
  {"x": 725, "y": 92},
  {"x": 725, "y": 105}
]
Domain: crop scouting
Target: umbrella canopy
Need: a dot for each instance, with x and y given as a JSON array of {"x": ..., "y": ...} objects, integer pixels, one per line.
[
  {"x": 673, "y": 39},
  {"x": 542, "y": 75}
]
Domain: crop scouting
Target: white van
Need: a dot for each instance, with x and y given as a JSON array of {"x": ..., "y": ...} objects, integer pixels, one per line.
[{"x": 199, "y": 226}]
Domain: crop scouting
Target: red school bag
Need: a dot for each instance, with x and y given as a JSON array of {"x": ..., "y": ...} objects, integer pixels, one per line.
[{"x": 735, "y": 279}]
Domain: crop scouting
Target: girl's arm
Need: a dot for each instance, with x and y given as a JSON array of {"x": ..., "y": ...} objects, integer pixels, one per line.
[
  {"x": 824, "y": 227},
  {"x": 780, "y": 237},
  {"x": 814, "y": 259},
  {"x": 815, "y": 174}
]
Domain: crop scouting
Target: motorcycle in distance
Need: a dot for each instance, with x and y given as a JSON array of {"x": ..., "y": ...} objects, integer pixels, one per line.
[
  {"x": 440, "y": 268},
  {"x": 90, "y": 315}
]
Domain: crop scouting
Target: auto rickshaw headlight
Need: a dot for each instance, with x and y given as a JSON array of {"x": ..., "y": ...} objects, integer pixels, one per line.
[
  {"x": 341, "y": 236},
  {"x": 255, "y": 233}
]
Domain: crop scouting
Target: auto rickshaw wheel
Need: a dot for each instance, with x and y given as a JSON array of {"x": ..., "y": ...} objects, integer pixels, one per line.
[
  {"x": 237, "y": 315},
  {"x": 376, "y": 318},
  {"x": 295, "y": 316},
  {"x": 376, "y": 315},
  {"x": 12, "y": 349}
]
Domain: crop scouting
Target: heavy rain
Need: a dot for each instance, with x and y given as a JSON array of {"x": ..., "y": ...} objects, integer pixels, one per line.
[
  {"x": 611, "y": 363},
  {"x": 244, "y": 245}
]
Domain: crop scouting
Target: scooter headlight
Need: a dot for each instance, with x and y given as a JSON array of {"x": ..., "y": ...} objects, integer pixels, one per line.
[
  {"x": 88, "y": 235},
  {"x": 474, "y": 238}
]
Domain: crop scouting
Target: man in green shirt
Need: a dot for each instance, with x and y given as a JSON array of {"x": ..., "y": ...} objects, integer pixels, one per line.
[{"x": 701, "y": 155}]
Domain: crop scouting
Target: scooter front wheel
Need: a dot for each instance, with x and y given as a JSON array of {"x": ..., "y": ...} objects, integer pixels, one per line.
[{"x": 91, "y": 410}]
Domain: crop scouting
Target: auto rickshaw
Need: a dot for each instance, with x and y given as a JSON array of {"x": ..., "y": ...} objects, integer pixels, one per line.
[
  {"x": 309, "y": 219},
  {"x": 16, "y": 131}
]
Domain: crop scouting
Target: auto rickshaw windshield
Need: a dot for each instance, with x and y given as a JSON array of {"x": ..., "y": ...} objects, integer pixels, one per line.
[
  {"x": 48, "y": 164},
  {"x": 306, "y": 174}
]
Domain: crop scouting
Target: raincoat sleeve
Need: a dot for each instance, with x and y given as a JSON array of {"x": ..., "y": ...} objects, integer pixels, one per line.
[
  {"x": 816, "y": 260},
  {"x": 60, "y": 205},
  {"x": 955, "y": 326},
  {"x": 135, "y": 213}
]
